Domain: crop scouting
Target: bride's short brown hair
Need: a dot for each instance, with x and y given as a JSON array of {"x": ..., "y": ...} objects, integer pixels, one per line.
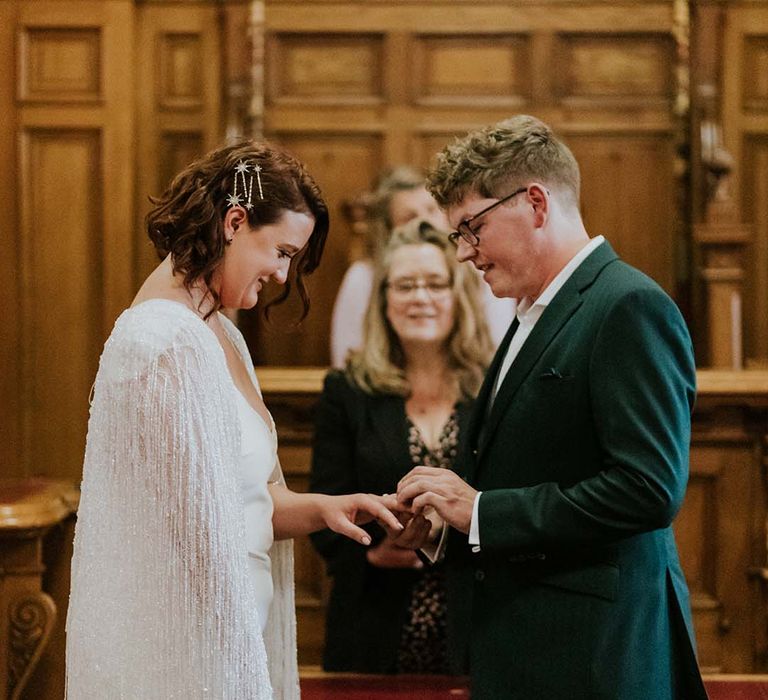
[{"x": 187, "y": 219}]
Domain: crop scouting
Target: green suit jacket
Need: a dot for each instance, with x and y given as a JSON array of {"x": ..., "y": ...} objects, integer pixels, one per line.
[{"x": 582, "y": 459}]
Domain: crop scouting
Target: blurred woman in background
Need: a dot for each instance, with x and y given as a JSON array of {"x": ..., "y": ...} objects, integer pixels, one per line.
[
  {"x": 398, "y": 197},
  {"x": 402, "y": 400}
]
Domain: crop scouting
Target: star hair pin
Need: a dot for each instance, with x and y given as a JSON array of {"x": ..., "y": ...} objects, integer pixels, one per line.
[{"x": 244, "y": 177}]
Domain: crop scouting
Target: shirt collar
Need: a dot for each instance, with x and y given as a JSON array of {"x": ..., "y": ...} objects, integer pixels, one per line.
[{"x": 526, "y": 307}]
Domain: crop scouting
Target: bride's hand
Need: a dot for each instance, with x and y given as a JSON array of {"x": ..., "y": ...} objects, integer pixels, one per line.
[{"x": 343, "y": 514}]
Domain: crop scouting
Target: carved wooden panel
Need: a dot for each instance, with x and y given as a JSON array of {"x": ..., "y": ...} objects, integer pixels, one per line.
[
  {"x": 332, "y": 67},
  {"x": 179, "y": 100},
  {"x": 755, "y": 74},
  {"x": 60, "y": 64},
  {"x": 71, "y": 125},
  {"x": 61, "y": 269},
  {"x": 615, "y": 65},
  {"x": 627, "y": 190},
  {"x": 465, "y": 68},
  {"x": 755, "y": 197},
  {"x": 714, "y": 532},
  {"x": 180, "y": 85}
]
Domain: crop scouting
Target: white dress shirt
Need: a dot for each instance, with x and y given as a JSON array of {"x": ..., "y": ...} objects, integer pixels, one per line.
[{"x": 528, "y": 314}]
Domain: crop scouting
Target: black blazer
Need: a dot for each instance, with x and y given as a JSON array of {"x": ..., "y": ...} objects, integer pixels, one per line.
[{"x": 361, "y": 445}]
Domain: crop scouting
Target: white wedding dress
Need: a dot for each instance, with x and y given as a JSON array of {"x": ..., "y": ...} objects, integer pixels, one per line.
[
  {"x": 258, "y": 459},
  {"x": 178, "y": 590}
]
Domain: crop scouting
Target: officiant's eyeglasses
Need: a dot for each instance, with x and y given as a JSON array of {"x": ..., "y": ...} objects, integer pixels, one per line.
[
  {"x": 407, "y": 287},
  {"x": 465, "y": 229}
]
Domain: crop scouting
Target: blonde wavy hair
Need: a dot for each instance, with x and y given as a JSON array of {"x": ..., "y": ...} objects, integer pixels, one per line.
[{"x": 379, "y": 367}]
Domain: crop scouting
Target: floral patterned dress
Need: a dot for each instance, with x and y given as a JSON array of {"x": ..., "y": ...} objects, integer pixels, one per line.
[{"x": 423, "y": 642}]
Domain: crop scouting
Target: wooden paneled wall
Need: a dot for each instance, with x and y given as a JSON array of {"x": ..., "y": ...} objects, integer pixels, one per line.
[
  {"x": 178, "y": 101},
  {"x": 68, "y": 262},
  {"x": 102, "y": 102},
  {"x": 353, "y": 87},
  {"x": 104, "y": 99}
]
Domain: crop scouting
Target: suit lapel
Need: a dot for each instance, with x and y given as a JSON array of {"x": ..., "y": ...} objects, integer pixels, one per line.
[
  {"x": 551, "y": 321},
  {"x": 483, "y": 397},
  {"x": 558, "y": 311}
]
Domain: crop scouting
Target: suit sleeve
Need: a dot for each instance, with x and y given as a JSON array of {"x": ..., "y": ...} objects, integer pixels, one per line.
[
  {"x": 333, "y": 468},
  {"x": 642, "y": 386}
]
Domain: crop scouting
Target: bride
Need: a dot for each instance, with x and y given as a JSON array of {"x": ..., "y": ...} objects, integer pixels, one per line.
[{"x": 182, "y": 574}]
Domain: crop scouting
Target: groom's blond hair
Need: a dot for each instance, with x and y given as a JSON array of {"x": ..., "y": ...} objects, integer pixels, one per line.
[{"x": 496, "y": 160}]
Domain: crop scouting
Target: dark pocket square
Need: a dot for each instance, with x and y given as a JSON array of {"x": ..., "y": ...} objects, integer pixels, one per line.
[{"x": 552, "y": 373}]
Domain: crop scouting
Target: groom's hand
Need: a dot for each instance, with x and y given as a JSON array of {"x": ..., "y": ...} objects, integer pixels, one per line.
[
  {"x": 416, "y": 530},
  {"x": 396, "y": 550},
  {"x": 444, "y": 490}
]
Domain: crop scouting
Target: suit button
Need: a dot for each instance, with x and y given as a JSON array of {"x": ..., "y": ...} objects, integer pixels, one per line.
[
  {"x": 474, "y": 452},
  {"x": 479, "y": 575}
]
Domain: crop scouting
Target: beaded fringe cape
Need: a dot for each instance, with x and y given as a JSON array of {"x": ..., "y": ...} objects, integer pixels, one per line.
[{"x": 161, "y": 605}]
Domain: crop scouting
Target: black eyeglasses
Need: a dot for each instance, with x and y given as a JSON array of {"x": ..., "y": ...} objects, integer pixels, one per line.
[{"x": 464, "y": 229}]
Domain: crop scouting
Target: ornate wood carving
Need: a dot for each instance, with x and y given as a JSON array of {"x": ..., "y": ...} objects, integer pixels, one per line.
[
  {"x": 29, "y": 509},
  {"x": 31, "y": 618},
  {"x": 722, "y": 241}
]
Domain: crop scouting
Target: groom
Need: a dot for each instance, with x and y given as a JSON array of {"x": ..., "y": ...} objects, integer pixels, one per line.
[{"x": 577, "y": 457}]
